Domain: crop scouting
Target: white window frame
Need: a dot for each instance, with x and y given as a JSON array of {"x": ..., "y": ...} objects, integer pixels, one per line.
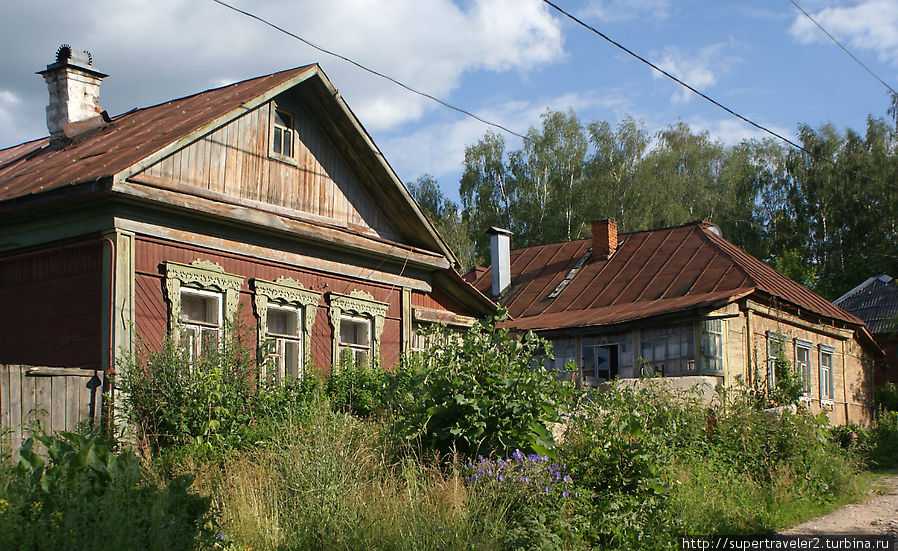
[
  {"x": 803, "y": 369},
  {"x": 289, "y": 294},
  {"x": 195, "y": 344},
  {"x": 368, "y": 348},
  {"x": 357, "y": 304},
  {"x": 288, "y": 135},
  {"x": 827, "y": 379},
  {"x": 773, "y": 338},
  {"x": 280, "y": 342},
  {"x": 201, "y": 277},
  {"x": 712, "y": 337}
]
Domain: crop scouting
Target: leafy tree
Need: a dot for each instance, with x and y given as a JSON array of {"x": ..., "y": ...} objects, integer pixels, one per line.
[{"x": 445, "y": 216}]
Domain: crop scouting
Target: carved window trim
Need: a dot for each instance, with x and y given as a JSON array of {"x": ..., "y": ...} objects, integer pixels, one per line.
[
  {"x": 356, "y": 304},
  {"x": 286, "y": 292},
  {"x": 203, "y": 275}
]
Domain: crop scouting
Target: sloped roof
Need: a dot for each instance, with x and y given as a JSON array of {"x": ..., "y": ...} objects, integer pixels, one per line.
[
  {"x": 875, "y": 301},
  {"x": 36, "y": 166},
  {"x": 651, "y": 273}
]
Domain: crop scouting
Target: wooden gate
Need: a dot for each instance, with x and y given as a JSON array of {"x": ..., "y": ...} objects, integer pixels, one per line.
[{"x": 52, "y": 398}]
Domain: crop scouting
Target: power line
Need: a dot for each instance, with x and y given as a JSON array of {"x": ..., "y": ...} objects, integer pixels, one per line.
[
  {"x": 372, "y": 71},
  {"x": 711, "y": 100},
  {"x": 844, "y": 49}
]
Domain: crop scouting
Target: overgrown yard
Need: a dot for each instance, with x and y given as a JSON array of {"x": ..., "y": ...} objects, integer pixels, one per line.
[{"x": 452, "y": 450}]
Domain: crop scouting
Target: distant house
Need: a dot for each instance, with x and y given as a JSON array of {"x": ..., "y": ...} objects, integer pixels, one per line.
[
  {"x": 266, "y": 197},
  {"x": 680, "y": 301},
  {"x": 876, "y": 302}
]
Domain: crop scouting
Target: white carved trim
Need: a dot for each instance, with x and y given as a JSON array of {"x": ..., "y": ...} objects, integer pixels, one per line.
[
  {"x": 200, "y": 274},
  {"x": 286, "y": 292},
  {"x": 360, "y": 304}
]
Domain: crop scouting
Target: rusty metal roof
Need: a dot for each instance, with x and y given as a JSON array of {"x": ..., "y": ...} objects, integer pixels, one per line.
[
  {"x": 39, "y": 166},
  {"x": 651, "y": 273}
]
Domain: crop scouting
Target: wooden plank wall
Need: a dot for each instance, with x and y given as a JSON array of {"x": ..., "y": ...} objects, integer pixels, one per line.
[
  {"x": 56, "y": 399},
  {"x": 234, "y": 160}
]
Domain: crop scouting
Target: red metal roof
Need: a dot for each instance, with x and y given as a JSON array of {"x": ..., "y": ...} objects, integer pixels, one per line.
[
  {"x": 37, "y": 166},
  {"x": 651, "y": 273}
]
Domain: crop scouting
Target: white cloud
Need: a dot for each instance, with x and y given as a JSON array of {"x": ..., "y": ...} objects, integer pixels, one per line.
[
  {"x": 700, "y": 70},
  {"x": 622, "y": 10},
  {"x": 155, "y": 50},
  {"x": 870, "y": 25}
]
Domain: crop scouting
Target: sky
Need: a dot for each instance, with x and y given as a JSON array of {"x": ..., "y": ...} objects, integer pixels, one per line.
[{"x": 506, "y": 60}]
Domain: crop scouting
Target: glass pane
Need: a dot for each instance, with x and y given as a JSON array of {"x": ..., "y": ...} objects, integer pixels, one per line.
[
  {"x": 283, "y": 322},
  {"x": 199, "y": 308},
  {"x": 354, "y": 332},
  {"x": 291, "y": 359},
  {"x": 288, "y": 143},
  {"x": 282, "y": 119},
  {"x": 361, "y": 357},
  {"x": 278, "y": 138},
  {"x": 673, "y": 348},
  {"x": 188, "y": 341},
  {"x": 209, "y": 342}
]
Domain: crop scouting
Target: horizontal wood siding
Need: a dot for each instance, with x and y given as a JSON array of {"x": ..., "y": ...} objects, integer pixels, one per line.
[
  {"x": 234, "y": 159},
  {"x": 50, "y": 302},
  {"x": 436, "y": 300},
  {"x": 151, "y": 309},
  {"x": 57, "y": 402}
]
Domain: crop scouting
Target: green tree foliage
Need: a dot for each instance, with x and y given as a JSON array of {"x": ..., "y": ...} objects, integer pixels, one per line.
[
  {"x": 445, "y": 216},
  {"x": 819, "y": 224}
]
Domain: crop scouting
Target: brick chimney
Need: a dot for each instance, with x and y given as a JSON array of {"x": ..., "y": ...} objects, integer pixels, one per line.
[
  {"x": 604, "y": 238},
  {"x": 74, "y": 86},
  {"x": 500, "y": 259}
]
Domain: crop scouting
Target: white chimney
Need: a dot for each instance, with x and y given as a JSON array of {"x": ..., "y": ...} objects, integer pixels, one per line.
[
  {"x": 74, "y": 86},
  {"x": 500, "y": 259}
]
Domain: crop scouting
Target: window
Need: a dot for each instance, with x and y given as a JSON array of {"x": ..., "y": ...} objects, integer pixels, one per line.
[
  {"x": 774, "y": 354},
  {"x": 803, "y": 365},
  {"x": 201, "y": 297},
  {"x": 286, "y": 312},
  {"x": 355, "y": 341},
  {"x": 600, "y": 363},
  {"x": 200, "y": 321},
  {"x": 282, "y": 133},
  {"x": 358, "y": 322},
  {"x": 827, "y": 392},
  {"x": 670, "y": 350},
  {"x": 712, "y": 345}
]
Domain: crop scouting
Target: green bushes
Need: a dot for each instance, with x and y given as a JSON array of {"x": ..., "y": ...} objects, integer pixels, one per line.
[
  {"x": 482, "y": 391},
  {"x": 655, "y": 464},
  {"x": 91, "y": 498}
]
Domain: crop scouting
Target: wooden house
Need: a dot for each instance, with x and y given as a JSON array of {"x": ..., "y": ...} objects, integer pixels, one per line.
[
  {"x": 681, "y": 302},
  {"x": 876, "y": 302},
  {"x": 265, "y": 198}
]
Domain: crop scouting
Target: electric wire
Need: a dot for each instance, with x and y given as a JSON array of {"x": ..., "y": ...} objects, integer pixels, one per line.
[
  {"x": 372, "y": 71},
  {"x": 844, "y": 49},
  {"x": 710, "y": 99},
  {"x": 526, "y": 138}
]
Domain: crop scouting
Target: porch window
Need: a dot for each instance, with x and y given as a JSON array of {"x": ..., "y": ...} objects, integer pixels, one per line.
[
  {"x": 712, "y": 345},
  {"x": 669, "y": 350},
  {"x": 827, "y": 392},
  {"x": 803, "y": 365},
  {"x": 200, "y": 321},
  {"x": 600, "y": 363}
]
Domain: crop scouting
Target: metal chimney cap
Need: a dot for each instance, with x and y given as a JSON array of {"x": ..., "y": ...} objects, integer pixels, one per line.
[{"x": 68, "y": 57}]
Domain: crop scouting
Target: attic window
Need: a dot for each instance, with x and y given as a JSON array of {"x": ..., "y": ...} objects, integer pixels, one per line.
[{"x": 282, "y": 133}]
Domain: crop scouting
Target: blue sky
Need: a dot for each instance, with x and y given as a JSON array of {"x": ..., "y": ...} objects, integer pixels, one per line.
[{"x": 507, "y": 60}]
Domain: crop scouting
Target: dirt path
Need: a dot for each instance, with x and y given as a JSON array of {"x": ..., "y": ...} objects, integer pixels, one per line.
[{"x": 876, "y": 516}]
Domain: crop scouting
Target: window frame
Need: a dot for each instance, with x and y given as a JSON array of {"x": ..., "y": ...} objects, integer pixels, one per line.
[
  {"x": 803, "y": 372},
  {"x": 827, "y": 384},
  {"x": 352, "y": 346},
  {"x": 358, "y": 304},
  {"x": 195, "y": 349},
  {"x": 778, "y": 338},
  {"x": 205, "y": 277},
  {"x": 712, "y": 337},
  {"x": 285, "y": 293},
  {"x": 275, "y": 111}
]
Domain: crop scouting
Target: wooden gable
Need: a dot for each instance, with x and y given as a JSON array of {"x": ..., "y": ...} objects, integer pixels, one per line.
[{"x": 237, "y": 160}]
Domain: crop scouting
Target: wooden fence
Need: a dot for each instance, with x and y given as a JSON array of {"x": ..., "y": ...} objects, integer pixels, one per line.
[{"x": 53, "y": 398}]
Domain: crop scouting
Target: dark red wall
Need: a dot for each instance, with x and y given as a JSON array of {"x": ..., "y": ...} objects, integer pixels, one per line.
[
  {"x": 151, "y": 310},
  {"x": 50, "y": 301}
]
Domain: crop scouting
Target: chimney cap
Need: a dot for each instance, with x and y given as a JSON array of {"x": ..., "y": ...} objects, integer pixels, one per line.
[
  {"x": 495, "y": 230},
  {"x": 68, "y": 57}
]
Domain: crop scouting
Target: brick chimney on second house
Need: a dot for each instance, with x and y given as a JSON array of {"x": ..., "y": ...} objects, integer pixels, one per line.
[
  {"x": 74, "y": 86},
  {"x": 604, "y": 238}
]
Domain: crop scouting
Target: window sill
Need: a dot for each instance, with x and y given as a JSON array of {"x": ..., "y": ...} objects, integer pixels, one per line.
[
  {"x": 827, "y": 403},
  {"x": 282, "y": 158}
]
